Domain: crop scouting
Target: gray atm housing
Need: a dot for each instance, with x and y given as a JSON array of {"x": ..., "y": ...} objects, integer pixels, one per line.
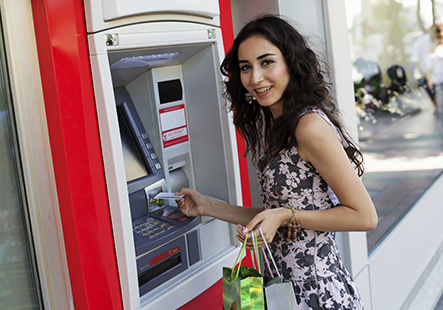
[{"x": 198, "y": 162}]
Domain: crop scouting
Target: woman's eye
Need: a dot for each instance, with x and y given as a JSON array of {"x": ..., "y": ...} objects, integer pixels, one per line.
[
  {"x": 267, "y": 62},
  {"x": 245, "y": 67}
]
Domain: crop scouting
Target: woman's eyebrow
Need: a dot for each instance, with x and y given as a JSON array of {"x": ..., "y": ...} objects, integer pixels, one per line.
[
  {"x": 265, "y": 55},
  {"x": 258, "y": 58}
]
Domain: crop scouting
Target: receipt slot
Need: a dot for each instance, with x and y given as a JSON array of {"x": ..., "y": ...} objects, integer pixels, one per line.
[{"x": 163, "y": 125}]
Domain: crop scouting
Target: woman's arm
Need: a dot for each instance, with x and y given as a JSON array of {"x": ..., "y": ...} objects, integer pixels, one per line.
[
  {"x": 318, "y": 144},
  {"x": 196, "y": 204}
]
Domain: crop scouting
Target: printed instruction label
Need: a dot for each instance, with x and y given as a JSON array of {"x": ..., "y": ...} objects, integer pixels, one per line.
[{"x": 173, "y": 125}]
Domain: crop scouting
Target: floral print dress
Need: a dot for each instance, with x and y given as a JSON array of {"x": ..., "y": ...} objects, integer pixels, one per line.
[{"x": 312, "y": 263}]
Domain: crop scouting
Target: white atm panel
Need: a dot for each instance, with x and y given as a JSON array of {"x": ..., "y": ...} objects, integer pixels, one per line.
[
  {"x": 186, "y": 260},
  {"x": 214, "y": 236},
  {"x": 106, "y": 14},
  {"x": 116, "y": 9}
]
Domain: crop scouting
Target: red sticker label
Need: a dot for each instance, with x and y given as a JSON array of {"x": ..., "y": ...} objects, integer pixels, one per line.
[
  {"x": 173, "y": 125},
  {"x": 164, "y": 255}
]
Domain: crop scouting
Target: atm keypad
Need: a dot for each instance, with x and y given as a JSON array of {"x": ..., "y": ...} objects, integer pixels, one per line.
[{"x": 151, "y": 227}]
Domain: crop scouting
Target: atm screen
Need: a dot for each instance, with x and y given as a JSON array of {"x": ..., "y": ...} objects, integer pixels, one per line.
[
  {"x": 141, "y": 163},
  {"x": 135, "y": 166}
]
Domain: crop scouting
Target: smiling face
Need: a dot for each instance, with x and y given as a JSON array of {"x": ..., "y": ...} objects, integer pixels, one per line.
[{"x": 263, "y": 72}]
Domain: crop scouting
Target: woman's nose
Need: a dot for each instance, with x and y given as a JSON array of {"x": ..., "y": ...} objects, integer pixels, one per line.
[{"x": 257, "y": 75}]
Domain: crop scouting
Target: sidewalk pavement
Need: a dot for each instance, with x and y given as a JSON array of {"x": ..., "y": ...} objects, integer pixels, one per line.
[{"x": 403, "y": 157}]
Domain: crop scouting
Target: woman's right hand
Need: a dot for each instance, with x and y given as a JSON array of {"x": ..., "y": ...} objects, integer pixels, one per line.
[
  {"x": 193, "y": 203},
  {"x": 269, "y": 220}
]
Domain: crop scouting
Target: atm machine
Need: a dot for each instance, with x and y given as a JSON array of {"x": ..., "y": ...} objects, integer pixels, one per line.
[{"x": 164, "y": 124}]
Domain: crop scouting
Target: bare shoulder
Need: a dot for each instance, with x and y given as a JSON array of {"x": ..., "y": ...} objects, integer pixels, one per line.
[
  {"x": 313, "y": 134},
  {"x": 312, "y": 126}
]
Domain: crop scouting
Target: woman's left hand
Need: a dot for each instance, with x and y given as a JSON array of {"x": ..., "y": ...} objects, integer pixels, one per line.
[{"x": 269, "y": 220}]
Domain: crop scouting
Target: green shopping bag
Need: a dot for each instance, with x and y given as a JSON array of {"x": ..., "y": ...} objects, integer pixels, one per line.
[{"x": 243, "y": 286}]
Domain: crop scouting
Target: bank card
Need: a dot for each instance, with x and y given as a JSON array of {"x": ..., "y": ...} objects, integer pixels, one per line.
[{"x": 164, "y": 195}]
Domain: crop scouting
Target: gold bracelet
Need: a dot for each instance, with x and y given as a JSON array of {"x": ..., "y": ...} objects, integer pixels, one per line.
[{"x": 293, "y": 228}]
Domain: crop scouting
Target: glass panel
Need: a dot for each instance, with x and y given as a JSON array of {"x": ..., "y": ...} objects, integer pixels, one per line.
[
  {"x": 400, "y": 133},
  {"x": 18, "y": 275}
]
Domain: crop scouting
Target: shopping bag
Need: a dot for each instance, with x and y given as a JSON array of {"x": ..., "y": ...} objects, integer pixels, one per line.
[
  {"x": 243, "y": 286},
  {"x": 279, "y": 294}
]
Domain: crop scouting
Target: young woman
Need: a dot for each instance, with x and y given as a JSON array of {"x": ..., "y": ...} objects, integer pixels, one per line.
[{"x": 307, "y": 168}]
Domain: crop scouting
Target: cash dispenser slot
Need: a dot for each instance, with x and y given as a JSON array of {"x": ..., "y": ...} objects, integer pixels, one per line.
[
  {"x": 168, "y": 264},
  {"x": 162, "y": 264}
]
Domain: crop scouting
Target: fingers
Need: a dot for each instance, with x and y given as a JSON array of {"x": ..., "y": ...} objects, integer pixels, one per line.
[
  {"x": 186, "y": 193},
  {"x": 256, "y": 220},
  {"x": 250, "y": 243},
  {"x": 268, "y": 235},
  {"x": 183, "y": 191},
  {"x": 240, "y": 229},
  {"x": 193, "y": 203},
  {"x": 181, "y": 203}
]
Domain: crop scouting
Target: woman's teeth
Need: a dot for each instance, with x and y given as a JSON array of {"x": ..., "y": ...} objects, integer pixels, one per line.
[{"x": 263, "y": 89}]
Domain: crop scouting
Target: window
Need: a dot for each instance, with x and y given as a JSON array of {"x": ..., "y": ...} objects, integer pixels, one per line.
[
  {"x": 400, "y": 134},
  {"x": 19, "y": 287}
]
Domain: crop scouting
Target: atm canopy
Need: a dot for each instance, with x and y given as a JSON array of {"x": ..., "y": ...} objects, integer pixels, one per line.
[{"x": 126, "y": 65}]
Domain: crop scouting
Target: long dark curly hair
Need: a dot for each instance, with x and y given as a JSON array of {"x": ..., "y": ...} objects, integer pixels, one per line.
[{"x": 307, "y": 88}]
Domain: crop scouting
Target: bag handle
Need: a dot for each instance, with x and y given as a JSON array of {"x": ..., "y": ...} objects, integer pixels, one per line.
[
  {"x": 236, "y": 268},
  {"x": 239, "y": 256},
  {"x": 255, "y": 244},
  {"x": 270, "y": 254}
]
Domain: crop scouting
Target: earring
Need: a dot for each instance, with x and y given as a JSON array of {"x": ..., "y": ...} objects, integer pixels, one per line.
[{"x": 249, "y": 98}]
